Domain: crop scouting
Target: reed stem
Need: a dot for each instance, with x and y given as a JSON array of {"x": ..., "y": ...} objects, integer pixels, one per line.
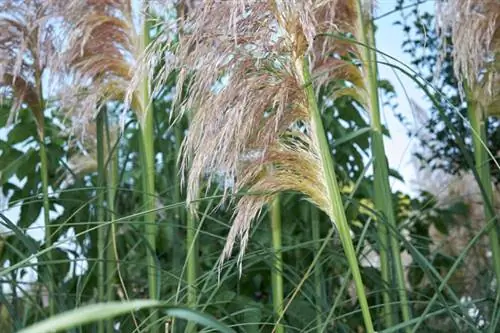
[
  {"x": 46, "y": 218},
  {"x": 111, "y": 188},
  {"x": 337, "y": 213},
  {"x": 101, "y": 231},
  {"x": 192, "y": 265},
  {"x": 478, "y": 118},
  {"x": 44, "y": 173},
  {"x": 318, "y": 272},
  {"x": 148, "y": 159},
  {"x": 383, "y": 194},
  {"x": 277, "y": 269},
  {"x": 173, "y": 229}
]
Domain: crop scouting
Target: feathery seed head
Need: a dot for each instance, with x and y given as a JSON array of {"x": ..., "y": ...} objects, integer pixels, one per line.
[
  {"x": 475, "y": 31},
  {"x": 242, "y": 63},
  {"x": 26, "y": 52},
  {"x": 103, "y": 49}
]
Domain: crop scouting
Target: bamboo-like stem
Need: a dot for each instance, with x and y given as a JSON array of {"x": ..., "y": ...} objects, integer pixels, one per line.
[
  {"x": 192, "y": 258},
  {"x": 383, "y": 194},
  {"x": 337, "y": 214},
  {"x": 44, "y": 173},
  {"x": 181, "y": 211},
  {"x": 101, "y": 231},
  {"x": 277, "y": 269},
  {"x": 111, "y": 187},
  {"x": 148, "y": 158},
  {"x": 385, "y": 270},
  {"x": 192, "y": 265},
  {"x": 318, "y": 290},
  {"x": 46, "y": 218},
  {"x": 478, "y": 118}
]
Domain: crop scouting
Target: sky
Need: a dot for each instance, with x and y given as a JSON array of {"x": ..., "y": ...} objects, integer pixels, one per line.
[{"x": 398, "y": 148}]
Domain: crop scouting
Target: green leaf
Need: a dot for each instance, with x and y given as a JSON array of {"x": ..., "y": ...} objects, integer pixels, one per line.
[
  {"x": 29, "y": 213},
  {"x": 4, "y": 115},
  {"x": 351, "y": 136},
  {"x": 13, "y": 159},
  {"x": 252, "y": 317},
  {"x": 395, "y": 174},
  {"x": 22, "y": 132},
  {"x": 95, "y": 312}
]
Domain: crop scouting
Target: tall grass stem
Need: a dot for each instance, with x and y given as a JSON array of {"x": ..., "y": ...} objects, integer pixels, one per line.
[
  {"x": 318, "y": 272},
  {"x": 111, "y": 188},
  {"x": 337, "y": 214},
  {"x": 46, "y": 218},
  {"x": 148, "y": 159},
  {"x": 478, "y": 119},
  {"x": 383, "y": 194},
  {"x": 44, "y": 173},
  {"x": 277, "y": 269},
  {"x": 101, "y": 231}
]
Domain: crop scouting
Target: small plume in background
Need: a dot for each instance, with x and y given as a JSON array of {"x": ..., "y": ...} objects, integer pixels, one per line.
[
  {"x": 475, "y": 32},
  {"x": 27, "y": 54}
]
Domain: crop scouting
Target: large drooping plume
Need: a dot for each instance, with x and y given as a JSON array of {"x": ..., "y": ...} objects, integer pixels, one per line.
[{"x": 242, "y": 64}]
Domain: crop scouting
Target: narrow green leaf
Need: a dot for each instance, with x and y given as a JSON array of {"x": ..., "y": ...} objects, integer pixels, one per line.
[
  {"x": 95, "y": 312},
  {"x": 351, "y": 136}
]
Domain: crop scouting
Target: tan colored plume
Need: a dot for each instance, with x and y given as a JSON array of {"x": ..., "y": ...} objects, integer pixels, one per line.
[
  {"x": 103, "y": 49},
  {"x": 475, "y": 32},
  {"x": 27, "y": 44},
  {"x": 243, "y": 66}
]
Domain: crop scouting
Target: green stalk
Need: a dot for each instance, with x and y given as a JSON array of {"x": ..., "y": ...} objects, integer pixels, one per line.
[
  {"x": 191, "y": 241},
  {"x": 46, "y": 218},
  {"x": 192, "y": 255},
  {"x": 181, "y": 211},
  {"x": 148, "y": 158},
  {"x": 383, "y": 194},
  {"x": 318, "y": 290},
  {"x": 388, "y": 314},
  {"x": 101, "y": 231},
  {"x": 337, "y": 213},
  {"x": 192, "y": 266},
  {"x": 44, "y": 173},
  {"x": 277, "y": 269},
  {"x": 478, "y": 118},
  {"x": 111, "y": 186}
]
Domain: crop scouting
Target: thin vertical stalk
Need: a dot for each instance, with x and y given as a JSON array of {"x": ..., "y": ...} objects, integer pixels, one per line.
[
  {"x": 383, "y": 194},
  {"x": 192, "y": 247},
  {"x": 192, "y": 254},
  {"x": 388, "y": 314},
  {"x": 181, "y": 211},
  {"x": 337, "y": 213},
  {"x": 477, "y": 120},
  {"x": 148, "y": 158},
  {"x": 111, "y": 188},
  {"x": 101, "y": 231},
  {"x": 44, "y": 173},
  {"x": 277, "y": 267},
  {"x": 192, "y": 265},
  {"x": 318, "y": 290},
  {"x": 46, "y": 218}
]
